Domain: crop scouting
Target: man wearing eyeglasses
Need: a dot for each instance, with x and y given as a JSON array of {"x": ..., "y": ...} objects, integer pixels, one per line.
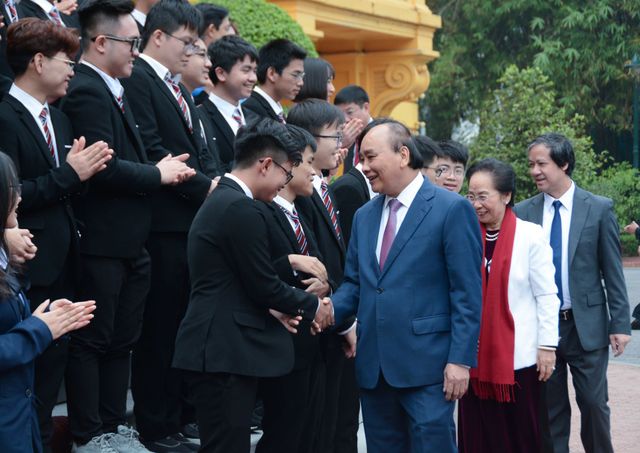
[
  {"x": 116, "y": 216},
  {"x": 451, "y": 165},
  {"x": 280, "y": 75}
]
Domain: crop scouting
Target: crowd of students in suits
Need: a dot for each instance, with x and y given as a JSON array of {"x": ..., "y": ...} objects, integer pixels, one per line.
[{"x": 157, "y": 174}]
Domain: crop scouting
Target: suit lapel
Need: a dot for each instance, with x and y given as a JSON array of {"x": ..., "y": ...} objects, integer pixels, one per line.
[
  {"x": 32, "y": 127},
  {"x": 263, "y": 102},
  {"x": 325, "y": 214},
  {"x": 219, "y": 121},
  {"x": 363, "y": 184},
  {"x": 375, "y": 216},
  {"x": 417, "y": 211},
  {"x": 283, "y": 221},
  {"x": 536, "y": 209},
  {"x": 579, "y": 215}
]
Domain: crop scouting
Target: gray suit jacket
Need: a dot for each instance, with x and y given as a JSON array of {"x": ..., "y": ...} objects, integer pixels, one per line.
[{"x": 595, "y": 265}]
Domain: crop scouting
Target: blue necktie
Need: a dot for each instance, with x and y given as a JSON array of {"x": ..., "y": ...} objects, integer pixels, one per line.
[{"x": 556, "y": 244}]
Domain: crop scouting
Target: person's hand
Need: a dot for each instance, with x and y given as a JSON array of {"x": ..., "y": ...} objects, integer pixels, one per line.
[
  {"x": 65, "y": 316},
  {"x": 309, "y": 265},
  {"x": 324, "y": 315},
  {"x": 21, "y": 248},
  {"x": 316, "y": 286},
  {"x": 456, "y": 381},
  {"x": 618, "y": 342},
  {"x": 545, "y": 364},
  {"x": 349, "y": 345},
  {"x": 631, "y": 228},
  {"x": 66, "y": 6},
  {"x": 214, "y": 184},
  {"x": 289, "y": 322},
  {"x": 350, "y": 131},
  {"x": 173, "y": 170},
  {"x": 88, "y": 161}
]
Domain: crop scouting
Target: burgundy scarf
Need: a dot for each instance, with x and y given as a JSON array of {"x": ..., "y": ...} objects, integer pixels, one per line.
[{"x": 494, "y": 376}]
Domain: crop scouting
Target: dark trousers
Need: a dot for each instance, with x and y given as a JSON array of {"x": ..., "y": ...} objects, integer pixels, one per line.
[
  {"x": 589, "y": 373},
  {"x": 415, "y": 419},
  {"x": 488, "y": 426},
  {"x": 224, "y": 403},
  {"x": 51, "y": 364},
  {"x": 346, "y": 439},
  {"x": 99, "y": 355},
  {"x": 157, "y": 388}
]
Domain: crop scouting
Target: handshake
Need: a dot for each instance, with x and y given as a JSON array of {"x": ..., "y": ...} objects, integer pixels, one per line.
[{"x": 323, "y": 319}]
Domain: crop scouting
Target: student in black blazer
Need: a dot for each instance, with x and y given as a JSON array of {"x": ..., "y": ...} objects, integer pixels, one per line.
[
  {"x": 228, "y": 338},
  {"x": 280, "y": 74},
  {"x": 292, "y": 247},
  {"x": 50, "y": 177},
  {"x": 351, "y": 191},
  {"x": 115, "y": 214},
  {"x": 324, "y": 122},
  {"x": 233, "y": 76},
  {"x": 45, "y": 10},
  {"x": 168, "y": 124}
]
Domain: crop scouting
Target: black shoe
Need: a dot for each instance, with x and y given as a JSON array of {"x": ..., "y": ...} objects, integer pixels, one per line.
[
  {"x": 166, "y": 445},
  {"x": 635, "y": 324},
  {"x": 191, "y": 431},
  {"x": 185, "y": 442}
]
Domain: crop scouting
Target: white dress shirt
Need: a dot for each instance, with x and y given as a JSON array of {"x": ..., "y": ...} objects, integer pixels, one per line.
[
  {"x": 227, "y": 109},
  {"x": 286, "y": 204},
  {"x": 114, "y": 85},
  {"x": 35, "y": 108},
  {"x": 139, "y": 16},
  {"x": 405, "y": 198},
  {"x": 240, "y": 182},
  {"x": 47, "y": 8},
  {"x": 566, "y": 211},
  {"x": 275, "y": 106}
]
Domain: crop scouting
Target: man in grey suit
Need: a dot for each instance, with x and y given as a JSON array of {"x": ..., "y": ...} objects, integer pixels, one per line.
[{"x": 584, "y": 236}]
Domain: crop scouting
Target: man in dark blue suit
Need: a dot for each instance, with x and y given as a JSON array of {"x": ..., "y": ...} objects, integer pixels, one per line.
[{"x": 412, "y": 276}]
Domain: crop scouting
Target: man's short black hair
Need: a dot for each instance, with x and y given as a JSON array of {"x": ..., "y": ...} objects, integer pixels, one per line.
[
  {"x": 169, "y": 16},
  {"x": 101, "y": 16},
  {"x": 265, "y": 138},
  {"x": 277, "y": 54},
  {"x": 399, "y": 136},
  {"x": 455, "y": 151},
  {"x": 302, "y": 138},
  {"x": 226, "y": 52},
  {"x": 315, "y": 114},
  {"x": 560, "y": 150},
  {"x": 427, "y": 148},
  {"x": 211, "y": 15},
  {"x": 351, "y": 94}
]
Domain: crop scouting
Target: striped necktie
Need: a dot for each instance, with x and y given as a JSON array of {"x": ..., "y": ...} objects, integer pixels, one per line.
[
  {"x": 181, "y": 101},
  {"x": 13, "y": 12},
  {"x": 120, "y": 102},
  {"x": 44, "y": 115},
  {"x": 238, "y": 117},
  {"x": 54, "y": 15},
  {"x": 303, "y": 245},
  {"x": 281, "y": 118},
  {"x": 326, "y": 200}
]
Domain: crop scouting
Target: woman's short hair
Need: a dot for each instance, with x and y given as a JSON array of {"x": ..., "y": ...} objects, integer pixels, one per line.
[{"x": 502, "y": 174}]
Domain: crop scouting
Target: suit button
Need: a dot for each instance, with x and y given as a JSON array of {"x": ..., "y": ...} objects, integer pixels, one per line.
[
  {"x": 380, "y": 290},
  {"x": 28, "y": 393}
]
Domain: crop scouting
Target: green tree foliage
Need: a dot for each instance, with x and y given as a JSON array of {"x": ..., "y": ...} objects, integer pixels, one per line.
[
  {"x": 259, "y": 22},
  {"x": 581, "y": 45}
]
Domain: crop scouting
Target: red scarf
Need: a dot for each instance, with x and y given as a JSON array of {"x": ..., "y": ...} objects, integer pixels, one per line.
[{"x": 494, "y": 376}]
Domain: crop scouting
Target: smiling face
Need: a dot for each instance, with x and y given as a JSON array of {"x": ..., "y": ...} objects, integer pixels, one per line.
[
  {"x": 274, "y": 177},
  {"x": 55, "y": 73},
  {"x": 326, "y": 157},
  {"x": 196, "y": 73},
  {"x": 174, "y": 49},
  {"x": 451, "y": 174},
  {"x": 548, "y": 176},
  {"x": 302, "y": 182},
  {"x": 238, "y": 83},
  {"x": 119, "y": 55},
  {"x": 383, "y": 166},
  {"x": 490, "y": 205}
]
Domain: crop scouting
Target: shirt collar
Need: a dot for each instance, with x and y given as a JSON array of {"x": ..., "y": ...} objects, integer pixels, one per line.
[
  {"x": 408, "y": 193},
  {"x": 317, "y": 184},
  {"x": 286, "y": 204},
  {"x": 240, "y": 182},
  {"x": 276, "y": 106},
  {"x": 224, "y": 106},
  {"x": 139, "y": 16},
  {"x": 160, "y": 69},
  {"x": 44, "y": 5},
  {"x": 566, "y": 199},
  {"x": 113, "y": 84},
  {"x": 29, "y": 102}
]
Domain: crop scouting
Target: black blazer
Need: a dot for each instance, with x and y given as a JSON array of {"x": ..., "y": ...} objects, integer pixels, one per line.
[
  {"x": 257, "y": 107},
  {"x": 222, "y": 131},
  {"x": 351, "y": 192},
  {"x": 227, "y": 327},
  {"x": 27, "y": 8},
  {"x": 211, "y": 143},
  {"x": 115, "y": 212},
  {"x": 164, "y": 130},
  {"x": 5, "y": 85},
  {"x": 46, "y": 189},
  {"x": 5, "y": 70}
]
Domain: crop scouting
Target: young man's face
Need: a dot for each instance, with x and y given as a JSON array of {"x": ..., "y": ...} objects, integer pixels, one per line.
[
  {"x": 288, "y": 84},
  {"x": 121, "y": 54},
  {"x": 275, "y": 174},
  {"x": 177, "y": 48},
  {"x": 329, "y": 140},
  {"x": 56, "y": 73},
  {"x": 225, "y": 29},
  {"x": 197, "y": 71},
  {"x": 238, "y": 83},
  {"x": 353, "y": 110},
  {"x": 451, "y": 174},
  {"x": 302, "y": 182}
]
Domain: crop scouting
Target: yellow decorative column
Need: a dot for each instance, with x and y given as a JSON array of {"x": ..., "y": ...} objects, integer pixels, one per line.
[{"x": 382, "y": 45}]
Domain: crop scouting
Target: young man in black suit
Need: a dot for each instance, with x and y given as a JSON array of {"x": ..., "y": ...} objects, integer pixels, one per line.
[
  {"x": 353, "y": 100},
  {"x": 115, "y": 213},
  {"x": 168, "y": 124},
  {"x": 228, "y": 339},
  {"x": 233, "y": 75},
  {"x": 280, "y": 75},
  {"x": 52, "y": 167},
  {"x": 324, "y": 121}
]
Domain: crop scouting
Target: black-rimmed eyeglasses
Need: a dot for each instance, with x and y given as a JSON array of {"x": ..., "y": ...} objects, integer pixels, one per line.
[
  {"x": 134, "y": 42},
  {"x": 337, "y": 138},
  {"x": 286, "y": 172}
]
